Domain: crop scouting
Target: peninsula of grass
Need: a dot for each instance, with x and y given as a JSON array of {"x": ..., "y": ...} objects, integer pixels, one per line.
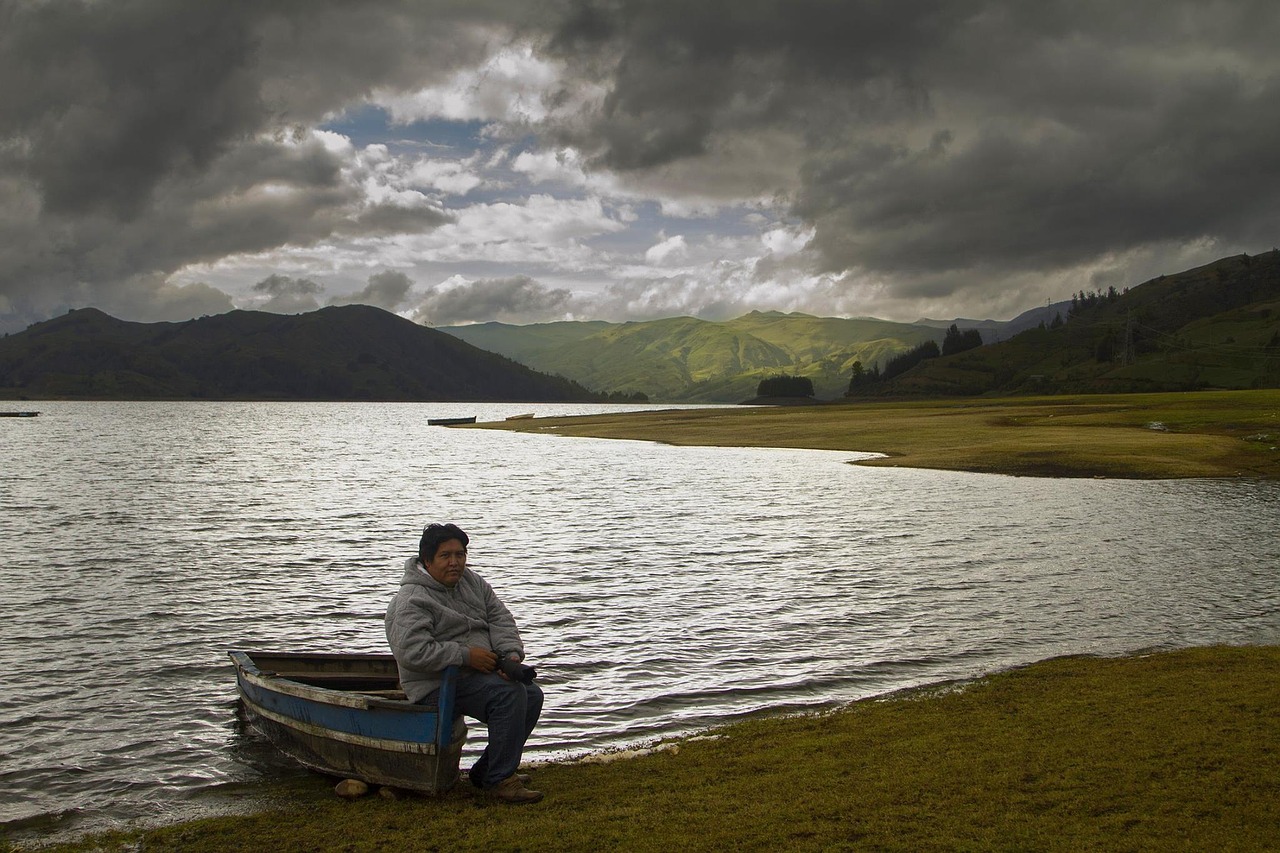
[
  {"x": 1163, "y": 751},
  {"x": 1137, "y": 436}
]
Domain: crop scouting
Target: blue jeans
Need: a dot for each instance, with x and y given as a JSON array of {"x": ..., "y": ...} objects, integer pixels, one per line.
[{"x": 510, "y": 710}]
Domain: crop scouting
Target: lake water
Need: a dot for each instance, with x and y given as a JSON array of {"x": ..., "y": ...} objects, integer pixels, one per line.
[{"x": 660, "y": 590}]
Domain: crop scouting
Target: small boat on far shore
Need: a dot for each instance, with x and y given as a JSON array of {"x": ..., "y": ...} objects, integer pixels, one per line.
[
  {"x": 18, "y": 414},
  {"x": 524, "y": 417},
  {"x": 450, "y": 421}
]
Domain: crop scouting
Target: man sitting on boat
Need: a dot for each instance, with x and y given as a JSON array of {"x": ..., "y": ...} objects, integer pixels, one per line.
[{"x": 446, "y": 615}]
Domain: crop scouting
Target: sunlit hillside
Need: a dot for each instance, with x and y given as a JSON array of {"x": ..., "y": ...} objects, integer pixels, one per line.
[{"x": 687, "y": 359}]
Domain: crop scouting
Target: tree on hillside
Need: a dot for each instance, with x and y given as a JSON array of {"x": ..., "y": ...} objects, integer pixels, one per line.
[
  {"x": 861, "y": 378},
  {"x": 1088, "y": 300},
  {"x": 958, "y": 341},
  {"x": 627, "y": 397},
  {"x": 902, "y": 363},
  {"x": 785, "y": 386}
]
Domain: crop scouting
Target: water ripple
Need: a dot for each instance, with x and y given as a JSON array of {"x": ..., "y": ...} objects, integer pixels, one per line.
[{"x": 661, "y": 590}]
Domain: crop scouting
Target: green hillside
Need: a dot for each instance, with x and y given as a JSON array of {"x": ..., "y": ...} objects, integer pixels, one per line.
[
  {"x": 351, "y": 352},
  {"x": 1215, "y": 326},
  {"x": 526, "y": 344},
  {"x": 690, "y": 360}
]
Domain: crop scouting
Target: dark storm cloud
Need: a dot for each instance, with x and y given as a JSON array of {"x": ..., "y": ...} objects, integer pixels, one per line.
[
  {"x": 288, "y": 295},
  {"x": 395, "y": 219},
  {"x": 101, "y": 94},
  {"x": 386, "y": 290},
  {"x": 953, "y": 137},
  {"x": 518, "y": 298},
  {"x": 111, "y": 98},
  {"x": 935, "y": 147},
  {"x": 138, "y": 136}
]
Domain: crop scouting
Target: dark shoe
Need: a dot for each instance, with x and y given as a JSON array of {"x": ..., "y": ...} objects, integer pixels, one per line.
[{"x": 511, "y": 790}]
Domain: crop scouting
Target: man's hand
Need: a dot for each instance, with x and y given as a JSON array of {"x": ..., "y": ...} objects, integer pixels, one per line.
[{"x": 482, "y": 660}]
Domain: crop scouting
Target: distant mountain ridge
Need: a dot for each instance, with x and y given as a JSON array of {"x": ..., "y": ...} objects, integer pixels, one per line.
[
  {"x": 351, "y": 352},
  {"x": 685, "y": 359},
  {"x": 994, "y": 331},
  {"x": 1214, "y": 326}
]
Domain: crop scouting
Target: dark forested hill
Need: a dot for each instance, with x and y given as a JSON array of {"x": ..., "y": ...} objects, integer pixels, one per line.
[
  {"x": 352, "y": 352},
  {"x": 1215, "y": 326}
]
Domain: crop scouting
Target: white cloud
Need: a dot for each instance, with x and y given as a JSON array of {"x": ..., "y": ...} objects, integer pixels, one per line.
[
  {"x": 455, "y": 177},
  {"x": 670, "y": 249},
  {"x": 511, "y": 85},
  {"x": 406, "y": 178},
  {"x": 541, "y": 220},
  {"x": 544, "y": 166},
  {"x": 786, "y": 241}
]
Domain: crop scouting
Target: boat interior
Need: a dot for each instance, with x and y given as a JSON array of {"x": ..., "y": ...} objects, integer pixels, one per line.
[{"x": 372, "y": 675}]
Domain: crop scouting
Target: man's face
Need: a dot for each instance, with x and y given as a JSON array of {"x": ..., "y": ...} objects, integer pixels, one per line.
[{"x": 447, "y": 565}]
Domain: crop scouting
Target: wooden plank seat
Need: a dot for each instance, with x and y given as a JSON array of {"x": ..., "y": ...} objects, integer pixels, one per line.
[{"x": 386, "y": 694}]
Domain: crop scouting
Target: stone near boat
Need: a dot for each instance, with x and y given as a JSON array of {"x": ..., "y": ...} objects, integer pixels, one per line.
[{"x": 350, "y": 789}]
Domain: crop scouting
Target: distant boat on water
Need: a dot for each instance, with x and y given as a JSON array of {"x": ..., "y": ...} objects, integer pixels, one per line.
[
  {"x": 450, "y": 421},
  {"x": 523, "y": 417},
  {"x": 18, "y": 414}
]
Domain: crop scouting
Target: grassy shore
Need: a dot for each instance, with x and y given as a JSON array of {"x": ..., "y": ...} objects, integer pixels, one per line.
[
  {"x": 1143, "y": 436},
  {"x": 1175, "y": 750}
]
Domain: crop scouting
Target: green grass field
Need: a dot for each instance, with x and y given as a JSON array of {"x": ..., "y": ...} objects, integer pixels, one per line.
[
  {"x": 1168, "y": 751},
  {"x": 1144, "y": 436}
]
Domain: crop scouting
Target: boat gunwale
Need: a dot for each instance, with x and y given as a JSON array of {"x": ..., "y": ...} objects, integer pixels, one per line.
[{"x": 289, "y": 685}]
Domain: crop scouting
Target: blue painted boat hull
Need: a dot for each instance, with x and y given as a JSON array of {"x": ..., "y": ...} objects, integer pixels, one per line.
[{"x": 344, "y": 715}]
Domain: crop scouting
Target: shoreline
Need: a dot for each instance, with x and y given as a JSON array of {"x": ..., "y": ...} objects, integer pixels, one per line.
[
  {"x": 1195, "y": 434},
  {"x": 1153, "y": 749}
]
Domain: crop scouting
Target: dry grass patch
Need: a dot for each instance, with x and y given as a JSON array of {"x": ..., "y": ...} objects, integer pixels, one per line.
[{"x": 1144, "y": 436}]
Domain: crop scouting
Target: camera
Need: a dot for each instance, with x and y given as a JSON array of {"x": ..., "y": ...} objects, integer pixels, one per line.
[{"x": 515, "y": 670}]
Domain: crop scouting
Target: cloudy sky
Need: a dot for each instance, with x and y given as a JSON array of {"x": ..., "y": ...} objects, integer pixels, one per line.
[{"x": 529, "y": 161}]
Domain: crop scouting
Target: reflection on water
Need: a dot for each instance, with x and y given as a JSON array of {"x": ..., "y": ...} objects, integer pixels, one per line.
[{"x": 660, "y": 589}]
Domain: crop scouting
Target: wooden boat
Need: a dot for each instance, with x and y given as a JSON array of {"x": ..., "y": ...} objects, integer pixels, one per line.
[
  {"x": 450, "y": 421},
  {"x": 526, "y": 416},
  {"x": 345, "y": 715},
  {"x": 18, "y": 414}
]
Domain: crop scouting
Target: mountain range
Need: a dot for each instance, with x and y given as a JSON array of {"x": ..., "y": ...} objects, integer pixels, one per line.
[
  {"x": 1214, "y": 326},
  {"x": 351, "y": 352},
  {"x": 690, "y": 360}
]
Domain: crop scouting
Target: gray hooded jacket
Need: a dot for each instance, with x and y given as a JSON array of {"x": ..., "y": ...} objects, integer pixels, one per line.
[{"x": 430, "y": 626}]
